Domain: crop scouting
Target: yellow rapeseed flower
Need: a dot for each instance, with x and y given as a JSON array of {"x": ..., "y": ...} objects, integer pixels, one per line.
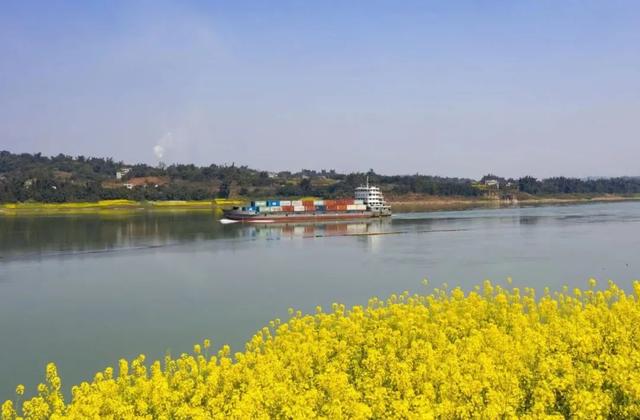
[{"x": 488, "y": 353}]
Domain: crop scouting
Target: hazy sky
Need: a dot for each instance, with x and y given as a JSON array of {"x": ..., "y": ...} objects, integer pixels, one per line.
[{"x": 457, "y": 88}]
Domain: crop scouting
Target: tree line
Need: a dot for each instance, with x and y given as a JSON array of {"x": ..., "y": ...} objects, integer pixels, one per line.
[{"x": 64, "y": 178}]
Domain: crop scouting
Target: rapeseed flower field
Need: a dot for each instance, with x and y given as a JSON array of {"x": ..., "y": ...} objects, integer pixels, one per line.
[{"x": 493, "y": 352}]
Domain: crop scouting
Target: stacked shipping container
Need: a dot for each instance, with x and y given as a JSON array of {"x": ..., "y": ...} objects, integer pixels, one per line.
[{"x": 286, "y": 206}]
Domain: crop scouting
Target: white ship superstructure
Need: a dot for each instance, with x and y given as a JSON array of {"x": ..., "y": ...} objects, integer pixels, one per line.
[{"x": 372, "y": 198}]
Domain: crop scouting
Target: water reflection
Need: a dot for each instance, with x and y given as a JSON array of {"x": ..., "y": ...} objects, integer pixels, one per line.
[
  {"x": 315, "y": 230},
  {"x": 29, "y": 237},
  {"x": 39, "y": 236}
]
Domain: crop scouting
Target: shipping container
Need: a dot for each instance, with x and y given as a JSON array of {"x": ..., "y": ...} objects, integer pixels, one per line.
[
  {"x": 358, "y": 202},
  {"x": 285, "y": 202},
  {"x": 299, "y": 208},
  {"x": 286, "y": 207},
  {"x": 276, "y": 209},
  {"x": 341, "y": 207},
  {"x": 307, "y": 202},
  {"x": 321, "y": 208},
  {"x": 258, "y": 203},
  {"x": 318, "y": 202},
  {"x": 273, "y": 203},
  {"x": 330, "y": 202},
  {"x": 296, "y": 203},
  {"x": 351, "y": 207}
]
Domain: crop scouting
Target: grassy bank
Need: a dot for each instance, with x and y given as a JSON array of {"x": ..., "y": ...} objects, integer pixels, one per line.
[
  {"x": 493, "y": 352},
  {"x": 30, "y": 208}
]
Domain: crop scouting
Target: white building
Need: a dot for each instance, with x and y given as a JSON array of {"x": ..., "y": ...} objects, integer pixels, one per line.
[
  {"x": 122, "y": 172},
  {"x": 492, "y": 183}
]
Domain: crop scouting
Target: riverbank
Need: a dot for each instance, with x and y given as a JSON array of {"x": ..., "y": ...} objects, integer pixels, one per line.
[
  {"x": 400, "y": 204},
  {"x": 414, "y": 203},
  {"x": 31, "y": 208}
]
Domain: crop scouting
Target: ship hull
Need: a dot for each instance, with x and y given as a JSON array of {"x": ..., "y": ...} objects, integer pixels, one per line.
[{"x": 299, "y": 217}]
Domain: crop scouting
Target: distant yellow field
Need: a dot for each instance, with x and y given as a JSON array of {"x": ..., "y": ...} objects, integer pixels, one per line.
[
  {"x": 180, "y": 203},
  {"x": 110, "y": 205},
  {"x": 228, "y": 202},
  {"x": 83, "y": 205}
]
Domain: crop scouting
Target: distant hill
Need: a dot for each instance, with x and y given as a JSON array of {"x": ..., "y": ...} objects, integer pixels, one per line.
[{"x": 62, "y": 178}]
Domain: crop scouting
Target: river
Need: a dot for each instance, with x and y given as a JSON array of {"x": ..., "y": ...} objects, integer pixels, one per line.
[{"x": 84, "y": 291}]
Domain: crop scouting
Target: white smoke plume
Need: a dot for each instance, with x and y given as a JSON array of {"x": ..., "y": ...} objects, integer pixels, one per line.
[{"x": 158, "y": 150}]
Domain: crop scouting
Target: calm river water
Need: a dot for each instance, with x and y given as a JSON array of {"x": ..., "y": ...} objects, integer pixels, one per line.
[{"x": 83, "y": 291}]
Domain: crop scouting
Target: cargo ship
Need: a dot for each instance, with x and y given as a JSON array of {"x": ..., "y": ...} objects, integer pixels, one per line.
[{"x": 368, "y": 202}]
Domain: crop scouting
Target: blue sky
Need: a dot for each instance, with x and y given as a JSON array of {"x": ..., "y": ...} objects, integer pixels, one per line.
[{"x": 456, "y": 88}]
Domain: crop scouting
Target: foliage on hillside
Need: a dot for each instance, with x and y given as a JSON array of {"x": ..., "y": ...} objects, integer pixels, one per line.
[
  {"x": 490, "y": 353},
  {"x": 63, "y": 178}
]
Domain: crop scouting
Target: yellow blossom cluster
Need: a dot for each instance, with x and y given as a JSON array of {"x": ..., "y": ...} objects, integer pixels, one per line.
[{"x": 489, "y": 353}]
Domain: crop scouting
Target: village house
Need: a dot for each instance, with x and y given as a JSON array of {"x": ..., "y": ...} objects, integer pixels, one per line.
[
  {"x": 122, "y": 173},
  {"x": 492, "y": 183}
]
